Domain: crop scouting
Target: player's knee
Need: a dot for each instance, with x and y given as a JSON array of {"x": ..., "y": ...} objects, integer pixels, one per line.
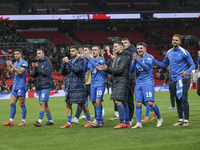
[
  {"x": 21, "y": 103},
  {"x": 13, "y": 103},
  {"x": 138, "y": 104}
]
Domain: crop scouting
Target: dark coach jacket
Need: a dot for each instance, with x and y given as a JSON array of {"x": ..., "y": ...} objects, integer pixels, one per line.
[
  {"x": 75, "y": 80},
  {"x": 120, "y": 70},
  {"x": 42, "y": 74}
]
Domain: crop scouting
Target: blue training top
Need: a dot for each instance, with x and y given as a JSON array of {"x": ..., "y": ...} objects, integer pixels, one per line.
[
  {"x": 98, "y": 76},
  {"x": 20, "y": 79},
  {"x": 144, "y": 69},
  {"x": 178, "y": 60}
]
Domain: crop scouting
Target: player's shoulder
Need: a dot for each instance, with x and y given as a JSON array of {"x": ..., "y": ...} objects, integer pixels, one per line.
[
  {"x": 169, "y": 51},
  {"x": 24, "y": 63},
  {"x": 149, "y": 56},
  {"x": 101, "y": 59},
  {"x": 185, "y": 52}
]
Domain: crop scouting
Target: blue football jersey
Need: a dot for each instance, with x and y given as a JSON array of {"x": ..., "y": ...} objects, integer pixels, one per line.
[
  {"x": 20, "y": 79},
  {"x": 143, "y": 74},
  {"x": 178, "y": 59},
  {"x": 98, "y": 76}
]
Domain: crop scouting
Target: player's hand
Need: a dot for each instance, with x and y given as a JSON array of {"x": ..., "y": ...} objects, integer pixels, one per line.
[
  {"x": 135, "y": 57},
  {"x": 33, "y": 65},
  {"x": 164, "y": 84},
  {"x": 65, "y": 60},
  {"x": 102, "y": 67},
  {"x": 9, "y": 62},
  {"x": 87, "y": 55},
  {"x": 183, "y": 74},
  {"x": 36, "y": 65}
]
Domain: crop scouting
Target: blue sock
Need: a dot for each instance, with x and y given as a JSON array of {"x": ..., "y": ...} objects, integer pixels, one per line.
[
  {"x": 49, "y": 116},
  {"x": 99, "y": 113},
  {"x": 147, "y": 110},
  {"x": 41, "y": 114},
  {"x": 157, "y": 112},
  {"x": 138, "y": 113},
  {"x": 12, "y": 111},
  {"x": 121, "y": 112},
  {"x": 23, "y": 110},
  {"x": 101, "y": 117},
  {"x": 88, "y": 117},
  {"x": 69, "y": 118},
  {"x": 86, "y": 101},
  {"x": 126, "y": 114}
]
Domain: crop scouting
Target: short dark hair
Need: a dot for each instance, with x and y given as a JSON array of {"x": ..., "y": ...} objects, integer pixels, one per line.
[
  {"x": 41, "y": 50},
  {"x": 118, "y": 42},
  {"x": 179, "y": 36},
  {"x": 75, "y": 47},
  {"x": 142, "y": 43},
  {"x": 18, "y": 50},
  {"x": 97, "y": 46},
  {"x": 126, "y": 39},
  {"x": 88, "y": 46}
]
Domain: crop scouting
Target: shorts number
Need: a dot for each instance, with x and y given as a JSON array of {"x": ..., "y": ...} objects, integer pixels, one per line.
[
  {"x": 149, "y": 94},
  {"x": 99, "y": 92}
]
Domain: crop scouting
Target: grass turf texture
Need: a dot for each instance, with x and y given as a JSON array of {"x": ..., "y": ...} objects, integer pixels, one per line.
[{"x": 52, "y": 137}]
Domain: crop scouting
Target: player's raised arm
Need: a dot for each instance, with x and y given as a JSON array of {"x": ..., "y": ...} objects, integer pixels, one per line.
[
  {"x": 19, "y": 71},
  {"x": 10, "y": 70}
]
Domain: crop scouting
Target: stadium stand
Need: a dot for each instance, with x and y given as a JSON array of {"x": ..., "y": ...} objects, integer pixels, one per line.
[{"x": 54, "y": 36}]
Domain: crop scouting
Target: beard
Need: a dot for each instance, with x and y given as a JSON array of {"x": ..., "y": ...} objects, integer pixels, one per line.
[{"x": 175, "y": 45}]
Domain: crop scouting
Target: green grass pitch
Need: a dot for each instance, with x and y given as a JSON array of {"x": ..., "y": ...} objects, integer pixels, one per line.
[{"x": 79, "y": 138}]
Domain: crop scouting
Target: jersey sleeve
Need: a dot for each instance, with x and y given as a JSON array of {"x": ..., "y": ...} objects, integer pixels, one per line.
[
  {"x": 163, "y": 63},
  {"x": 190, "y": 62},
  {"x": 24, "y": 64}
]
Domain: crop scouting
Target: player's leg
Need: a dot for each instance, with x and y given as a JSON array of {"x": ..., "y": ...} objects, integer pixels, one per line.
[
  {"x": 171, "y": 97},
  {"x": 48, "y": 114},
  {"x": 99, "y": 98},
  {"x": 69, "y": 113},
  {"x": 120, "y": 107},
  {"x": 23, "y": 110},
  {"x": 87, "y": 113},
  {"x": 77, "y": 115},
  {"x": 13, "y": 100},
  {"x": 131, "y": 101},
  {"x": 79, "y": 109},
  {"x": 46, "y": 106},
  {"x": 185, "y": 103},
  {"x": 147, "y": 112},
  {"x": 93, "y": 93},
  {"x": 148, "y": 92},
  {"x": 139, "y": 98},
  {"x": 21, "y": 93},
  {"x": 126, "y": 115},
  {"x": 116, "y": 117},
  {"x": 41, "y": 95},
  {"x": 179, "y": 106}
]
